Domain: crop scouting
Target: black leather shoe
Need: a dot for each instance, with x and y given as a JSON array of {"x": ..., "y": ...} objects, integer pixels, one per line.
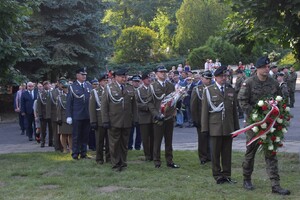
[
  {"x": 42, "y": 145},
  {"x": 85, "y": 157},
  {"x": 202, "y": 162},
  {"x": 173, "y": 165},
  {"x": 75, "y": 158},
  {"x": 280, "y": 190},
  {"x": 157, "y": 165},
  {"x": 229, "y": 180},
  {"x": 220, "y": 180},
  {"x": 248, "y": 185},
  {"x": 30, "y": 139}
]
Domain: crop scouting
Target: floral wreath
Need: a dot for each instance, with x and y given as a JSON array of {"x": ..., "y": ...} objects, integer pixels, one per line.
[{"x": 269, "y": 120}]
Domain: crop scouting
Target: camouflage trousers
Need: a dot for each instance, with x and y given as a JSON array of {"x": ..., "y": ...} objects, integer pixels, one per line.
[{"x": 271, "y": 162}]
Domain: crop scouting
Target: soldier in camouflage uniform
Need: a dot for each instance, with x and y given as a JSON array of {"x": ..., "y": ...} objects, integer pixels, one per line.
[
  {"x": 239, "y": 81},
  {"x": 252, "y": 90},
  {"x": 291, "y": 82},
  {"x": 283, "y": 86},
  {"x": 196, "y": 108}
]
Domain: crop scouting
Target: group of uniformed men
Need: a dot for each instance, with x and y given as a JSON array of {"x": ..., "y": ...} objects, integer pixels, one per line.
[{"x": 112, "y": 109}]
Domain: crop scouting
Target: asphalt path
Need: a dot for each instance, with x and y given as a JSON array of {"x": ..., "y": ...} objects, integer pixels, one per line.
[{"x": 11, "y": 140}]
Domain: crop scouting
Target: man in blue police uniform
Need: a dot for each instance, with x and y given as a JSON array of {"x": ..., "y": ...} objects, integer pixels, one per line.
[{"x": 78, "y": 113}]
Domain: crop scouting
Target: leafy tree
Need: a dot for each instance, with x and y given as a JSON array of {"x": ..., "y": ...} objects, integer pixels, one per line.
[
  {"x": 13, "y": 15},
  {"x": 136, "y": 44},
  {"x": 227, "y": 53},
  {"x": 198, "y": 56},
  {"x": 259, "y": 22},
  {"x": 64, "y": 35},
  {"x": 197, "y": 20}
]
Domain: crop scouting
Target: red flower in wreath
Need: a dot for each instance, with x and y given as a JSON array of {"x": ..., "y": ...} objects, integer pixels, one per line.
[
  {"x": 264, "y": 107},
  {"x": 274, "y": 153},
  {"x": 273, "y": 138},
  {"x": 279, "y": 128}
]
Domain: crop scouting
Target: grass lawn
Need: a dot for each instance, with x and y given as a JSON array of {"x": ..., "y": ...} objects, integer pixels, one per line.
[{"x": 57, "y": 176}]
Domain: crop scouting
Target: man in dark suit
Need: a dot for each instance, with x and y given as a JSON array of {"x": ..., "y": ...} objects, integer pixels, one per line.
[
  {"x": 118, "y": 113},
  {"x": 78, "y": 113},
  {"x": 164, "y": 122},
  {"x": 219, "y": 117},
  {"x": 27, "y": 99}
]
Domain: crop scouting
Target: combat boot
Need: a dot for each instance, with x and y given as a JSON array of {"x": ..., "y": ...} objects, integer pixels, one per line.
[
  {"x": 248, "y": 185},
  {"x": 279, "y": 190}
]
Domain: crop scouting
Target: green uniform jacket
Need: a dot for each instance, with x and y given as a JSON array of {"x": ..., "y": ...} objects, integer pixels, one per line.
[
  {"x": 143, "y": 97},
  {"x": 224, "y": 122},
  {"x": 44, "y": 104},
  {"x": 61, "y": 108},
  {"x": 119, "y": 113},
  {"x": 253, "y": 90},
  {"x": 196, "y": 103},
  {"x": 53, "y": 97},
  {"x": 157, "y": 92},
  {"x": 291, "y": 82},
  {"x": 95, "y": 106},
  {"x": 238, "y": 83}
]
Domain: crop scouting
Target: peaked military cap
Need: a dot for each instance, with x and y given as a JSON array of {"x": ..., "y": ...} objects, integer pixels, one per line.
[
  {"x": 221, "y": 70},
  {"x": 81, "y": 71},
  {"x": 103, "y": 76},
  {"x": 64, "y": 83},
  {"x": 280, "y": 74},
  {"x": 161, "y": 68},
  {"x": 136, "y": 78},
  {"x": 94, "y": 81},
  {"x": 145, "y": 75},
  {"x": 239, "y": 71},
  {"x": 273, "y": 67},
  {"x": 207, "y": 74},
  {"x": 262, "y": 61},
  {"x": 176, "y": 72},
  {"x": 121, "y": 72}
]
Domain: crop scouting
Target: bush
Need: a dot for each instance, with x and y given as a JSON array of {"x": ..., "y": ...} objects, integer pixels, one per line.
[{"x": 198, "y": 56}]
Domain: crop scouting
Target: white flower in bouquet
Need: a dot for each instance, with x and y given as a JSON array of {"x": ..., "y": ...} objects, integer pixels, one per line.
[
  {"x": 284, "y": 130},
  {"x": 272, "y": 129},
  {"x": 270, "y": 147},
  {"x": 260, "y": 103},
  {"x": 264, "y": 126},
  {"x": 254, "y": 116},
  {"x": 278, "y": 98},
  {"x": 287, "y": 109},
  {"x": 255, "y": 129},
  {"x": 279, "y": 121},
  {"x": 263, "y": 137},
  {"x": 277, "y": 139}
]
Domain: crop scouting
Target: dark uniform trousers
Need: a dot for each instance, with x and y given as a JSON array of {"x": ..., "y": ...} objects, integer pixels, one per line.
[
  {"x": 101, "y": 136},
  {"x": 203, "y": 145},
  {"x": 118, "y": 146},
  {"x": 221, "y": 148},
  {"x": 29, "y": 125},
  {"x": 46, "y": 123},
  {"x": 165, "y": 130},
  {"x": 147, "y": 140},
  {"x": 56, "y": 140},
  {"x": 271, "y": 162},
  {"x": 80, "y": 137}
]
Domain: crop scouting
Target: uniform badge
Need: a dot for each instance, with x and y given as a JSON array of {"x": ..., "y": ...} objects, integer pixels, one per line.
[{"x": 230, "y": 94}]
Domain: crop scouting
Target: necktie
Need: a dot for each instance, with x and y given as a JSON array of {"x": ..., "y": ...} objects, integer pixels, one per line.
[
  {"x": 122, "y": 87},
  {"x": 82, "y": 86},
  {"x": 163, "y": 84},
  {"x": 222, "y": 90}
]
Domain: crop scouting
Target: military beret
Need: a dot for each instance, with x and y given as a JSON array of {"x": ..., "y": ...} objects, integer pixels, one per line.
[
  {"x": 120, "y": 72},
  {"x": 280, "y": 74},
  {"x": 103, "y": 76},
  {"x": 252, "y": 67},
  {"x": 221, "y": 70},
  {"x": 81, "y": 71},
  {"x": 206, "y": 74},
  {"x": 161, "y": 68},
  {"x": 262, "y": 61},
  {"x": 62, "y": 79},
  {"x": 135, "y": 78}
]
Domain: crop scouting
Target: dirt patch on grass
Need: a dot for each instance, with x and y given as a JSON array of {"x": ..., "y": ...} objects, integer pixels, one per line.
[
  {"x": 2, "y": 184},
  {"x": 111, "y": 188},
  {"x": 49, "y": 187},
  {"x": 52, "y": 173}
]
